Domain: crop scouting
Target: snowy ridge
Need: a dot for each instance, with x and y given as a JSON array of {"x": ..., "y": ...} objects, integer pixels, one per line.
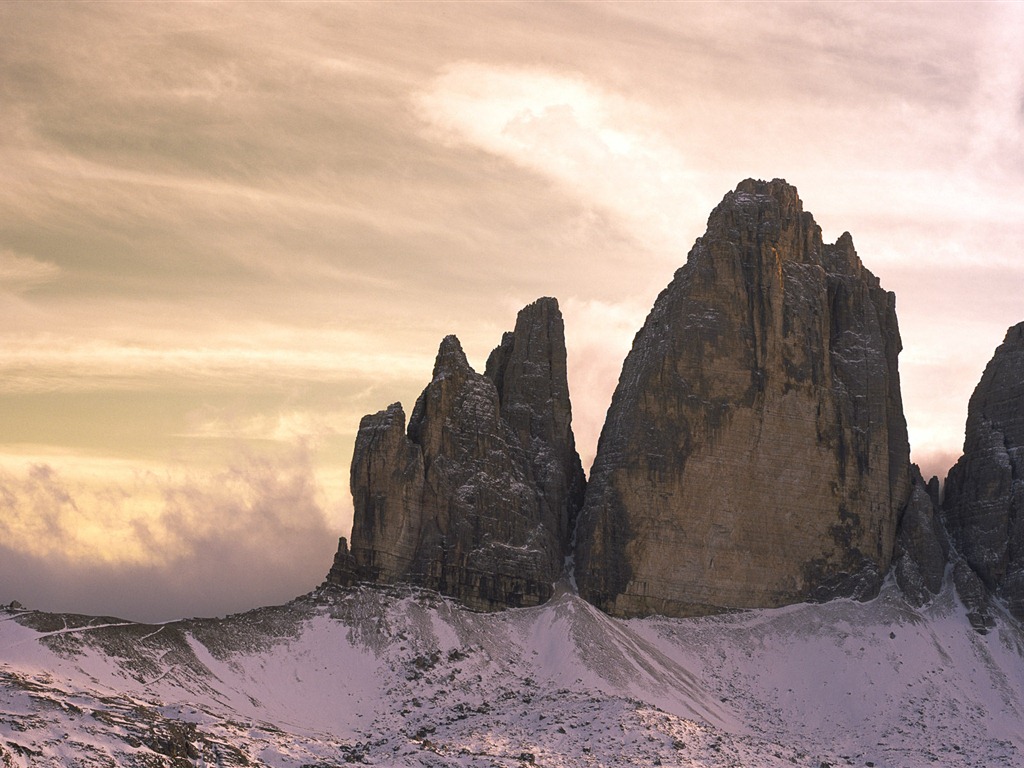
[{"x": 401, "y": 677}]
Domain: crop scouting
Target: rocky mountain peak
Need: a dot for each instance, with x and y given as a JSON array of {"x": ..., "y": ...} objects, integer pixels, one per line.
[
  {"x": 477, "y": 498},
  {"x": 779, "y": 197},
  {"x": 1000, "y": 392},
  {"x": 538, "y": 326},
  {"x": 529, "y": 372},
  {"x": 984, "y": 493},
  {"x": 450, "y": 357},
  {"x": 922, "y": 548},
  {"x": 766, "y": 213},
  {"x": 755, "y": 451}
]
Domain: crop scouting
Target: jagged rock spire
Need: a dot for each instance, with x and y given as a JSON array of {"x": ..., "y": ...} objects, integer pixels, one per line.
[
  {"x": 476, "y": 498},
  {"x": 528, "y": 369},
  {"x": 755, "y": 452}
]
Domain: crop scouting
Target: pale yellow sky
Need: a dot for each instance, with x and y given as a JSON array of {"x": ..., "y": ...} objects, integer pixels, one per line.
[{"x": 229, "y": 230}]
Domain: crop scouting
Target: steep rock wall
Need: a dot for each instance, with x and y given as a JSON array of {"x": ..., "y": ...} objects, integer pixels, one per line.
[
  {"x": 984, "y": 494},
  {"x": 477, "y": 497},
  {"x": 755, "y": 452}
]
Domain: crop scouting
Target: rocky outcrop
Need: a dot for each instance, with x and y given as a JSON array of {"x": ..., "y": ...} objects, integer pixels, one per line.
[
  {"x": 755, "y": 452},
  {"x": 529, "y": 372},
  {"x": 922, "y": 549},
  {"x": 477, "y": 497},
  {"x": 984, "y": 492}
]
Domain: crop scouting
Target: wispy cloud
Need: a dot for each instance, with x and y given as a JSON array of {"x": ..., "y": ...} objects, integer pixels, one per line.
[
  {"x": 282, "y": 427},
  {"x": 997, "y": 110},
  {"x": 598, "y": 338},
  {"x": 601, "y": 145},
  {"x": 48, "y": 361},
  {"x": 19, "y": 272}
]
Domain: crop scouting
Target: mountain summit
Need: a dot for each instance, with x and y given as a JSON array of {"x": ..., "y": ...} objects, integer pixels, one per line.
[
  {"x": 478, "y": 497},
  {"x": 755, "y": 452},
  {"x": 754, "y": 455}
]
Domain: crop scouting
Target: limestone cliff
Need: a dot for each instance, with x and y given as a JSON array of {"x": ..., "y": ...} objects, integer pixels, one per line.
[
  {"x": 755, "y": 452},
  {"x": 984, "y": 496},
  {"x": 476, "y": 499}
]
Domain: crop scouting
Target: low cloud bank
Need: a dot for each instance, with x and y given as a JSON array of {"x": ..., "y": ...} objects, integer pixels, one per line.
[{"x": 162, "y": 547}]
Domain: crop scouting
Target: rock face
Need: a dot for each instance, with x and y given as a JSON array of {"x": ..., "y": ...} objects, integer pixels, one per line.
[
  {"x": 477, "y": 498},
  {"x": 755, "y": 452},
  {"x": 528, "y": 370},
  {"x": 984, "y": 498},
  {"x": 922, "y": 549}
]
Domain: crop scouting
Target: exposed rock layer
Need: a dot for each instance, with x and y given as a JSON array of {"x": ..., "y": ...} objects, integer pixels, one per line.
[
  {"x": 984, "y": 495},
  {"x": 755, "y": 452},
  {"x": 477, "y": 498}
]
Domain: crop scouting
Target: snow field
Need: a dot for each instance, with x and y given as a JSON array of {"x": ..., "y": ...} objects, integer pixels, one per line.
[{"x": 405, "y": 678}]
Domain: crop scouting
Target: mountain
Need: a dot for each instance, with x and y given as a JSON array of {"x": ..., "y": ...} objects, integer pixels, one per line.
[
  {"x": 755, "y": 457},
  {"x": 478, "y": 497},
  {"x": 984, "y": 493},
  {"x": 755, "y": 453},
  {"x": 402, "y": 677}
]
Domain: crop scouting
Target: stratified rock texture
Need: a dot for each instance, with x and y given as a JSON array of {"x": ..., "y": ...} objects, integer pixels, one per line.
[
  {"x": 477, "y": 498},
  {"x": 984, "y": 496},
  {"x": 922, "y": 549},
  {"x": 755, "y": 452}
]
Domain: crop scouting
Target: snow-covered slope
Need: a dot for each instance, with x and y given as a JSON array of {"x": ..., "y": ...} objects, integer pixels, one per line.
[{"x": 407, "y": 678}]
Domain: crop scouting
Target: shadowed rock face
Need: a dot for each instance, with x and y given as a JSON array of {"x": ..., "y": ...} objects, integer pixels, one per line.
[
  {"x": 528, "y": 370},
  {"x": 922, "y": 549},
  {"x": 984, "y": 497},
  {"x": 476, "y": 499},
  {"x": 755, "y": 452}
]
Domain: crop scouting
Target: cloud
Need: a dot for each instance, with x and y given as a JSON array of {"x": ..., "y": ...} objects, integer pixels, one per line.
[
  {"x": 18, "y": 272},
  {"x": 598, "y": 144},
  {"x": 149, "y": 545},
  {"x": 283, "y": 426},
  {"x": 47, "y": 361},
  {"x": 997, "y": 119}
]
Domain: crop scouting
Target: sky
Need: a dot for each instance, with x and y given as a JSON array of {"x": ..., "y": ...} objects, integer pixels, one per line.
[{"x": 230, "y": 230}]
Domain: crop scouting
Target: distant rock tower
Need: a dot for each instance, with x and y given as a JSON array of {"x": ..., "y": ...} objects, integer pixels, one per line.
[
  {"x": 755, "y": 451},
  {"x": 478, "y": 498},
  {"x": 984, "y": 494}
]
